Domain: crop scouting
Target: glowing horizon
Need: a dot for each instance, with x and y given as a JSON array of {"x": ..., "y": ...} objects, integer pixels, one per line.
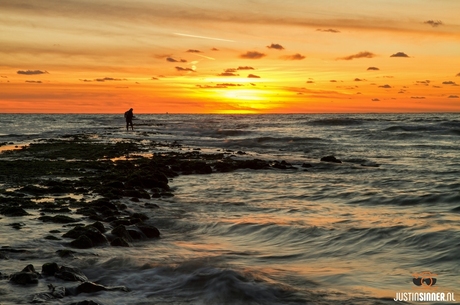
[{"x": 229, "y": 57}]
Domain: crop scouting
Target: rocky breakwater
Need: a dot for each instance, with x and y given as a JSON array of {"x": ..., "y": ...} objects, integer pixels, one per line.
[{"x": 95, "y": 194}]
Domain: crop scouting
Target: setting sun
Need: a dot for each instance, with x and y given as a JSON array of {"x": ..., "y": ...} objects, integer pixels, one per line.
[{"x": 229, "y": 57}]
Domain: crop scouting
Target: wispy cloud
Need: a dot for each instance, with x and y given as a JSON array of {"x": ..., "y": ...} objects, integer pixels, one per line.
[
  {"x": 399, "y": 54},
  {"x": 108, "y": 79},
  {"x": 434, "y": 23},
  {"x": 453, "y": 96},
  {"x": 275, "y": 46},
  {"x": 450, "y": 83},
  {"x": 154, "y": 78},
  {"x": 364, "y": 54},
  {"x": 252, "y": 55},
  {"x": 458, "y": 75},
  {"x": 417, "y": 97},
  {"x": 32, "y": 72},
  {"x": 227, "y": 74},
  {"x": 181, "y": 69},
  {"x": 170, "y": 59},
  {"x": 219, "y": 86},
  {"x": 328, "y": 30},
  {"x": 293, "y": 57},
  {"x": 245, "y": 68},
  {"x": 253, "y": 76},
  {"x": 373, "y": 69},
  {"x": 193, "y": 51},
  {"x": 34, "y": 81},
  {"x": 376, "y": 100},
  {"x": 359, "y": 79},
  {"x": 386, "y": 86}
]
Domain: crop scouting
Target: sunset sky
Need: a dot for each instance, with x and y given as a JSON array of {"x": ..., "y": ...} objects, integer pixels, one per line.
[{"x": 239, "y": 56}]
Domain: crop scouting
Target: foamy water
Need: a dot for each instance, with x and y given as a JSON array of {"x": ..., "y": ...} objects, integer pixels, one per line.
[{"x": 318, "y": 235}]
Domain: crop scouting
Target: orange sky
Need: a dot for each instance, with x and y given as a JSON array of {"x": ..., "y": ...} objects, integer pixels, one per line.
[{"x": 79, "y": 56}]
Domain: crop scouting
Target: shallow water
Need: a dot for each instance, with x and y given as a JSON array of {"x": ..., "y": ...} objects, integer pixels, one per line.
[{"x": 333, "y": 232}]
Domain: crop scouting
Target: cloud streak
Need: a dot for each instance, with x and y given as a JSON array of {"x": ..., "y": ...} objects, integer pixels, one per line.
[
  {"x": 252, "y": 55},
  {"x": 364, "y": 54},
  {"x": 434, "y": 23},
  {"x": 275, "y": 46},
  {"x": 399, "y": 54},
  {"x": 31, "y": 72},
  {"x": 293, "y": 57}
]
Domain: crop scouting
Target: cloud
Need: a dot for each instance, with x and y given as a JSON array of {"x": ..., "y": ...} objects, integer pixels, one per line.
[
  {"x": 333, "y": 81},
  {"x": 400, "y": 54},
  {"x": 218, "y": 86},
  {"x": 373, "y": 69},
  {"x": 253, "y": 76},
  {"x": 227, "y": 74},
  {"x": 359, "y": 79},
  {"x": 32, "y": 72},
  {"x": 193, "y": 51},
  {"x": 453, "y": 96},
  {"x": 458, "y": 74},
  {"x": 385, "y": 86},
  {"x": 214, "y": 49},
  {"x": 185, "y": 69},
  {"x": 105, "y": 79},
  {"x": 310, "y": 82},
  {"x": 275, "y": 46},
  {"x": 245, "y": 68},
  {"x": 364, "y": 54},
  {"x": 423, "y": 82},
  {"x": 375, "y": 100},
  {"x": 252, "y": 55},
  {"x": 328, "y": 30},
  {"x": 170, "y": 59},
  {"x": 34, "y": 81},
  {"x": 449, "y": 83},
  {"x": 434, "y": 23},
  {"x": 293, "y": 57},
  {"x": 4, "y": 76},
  {"x": 155, "y": 78},
  {"x": 417, "y": 97},
  {"x": 230, "y": 70}
]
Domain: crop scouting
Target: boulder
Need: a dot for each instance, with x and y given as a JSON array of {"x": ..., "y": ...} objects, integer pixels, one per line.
[
  {"x": 50, "y": 268},
  {"x": 330, "y": 159},
  {"x": 149, "y": 230},
  {"x": 82, "y": 242},
  {"x": 28, "y": 275},
  {"x": 71, "y": 274}
]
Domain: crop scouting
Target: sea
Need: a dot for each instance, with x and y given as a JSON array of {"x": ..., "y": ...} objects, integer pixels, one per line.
[{"x": 363, "y": 231}]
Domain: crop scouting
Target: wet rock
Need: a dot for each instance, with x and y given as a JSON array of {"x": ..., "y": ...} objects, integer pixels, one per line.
[
  {"x": 70, "y": 274},
  {"x": 65, "y": 253},
  {"x": 127, "y": 235},
  {"x": 17, "y": 225},
  {"x": 82, "y": 242},
  {"x": 51, "y": 237},
  {"x": 330, "y": 159},
  {"x": 90, "y": 232},
  {"x": 27, "y": 276},
  {"x": 119, "y": 242},
  {"x": 85, "y": 303},
  {"x": 13, "y": 211},
  {"x": 55, "y": 293},
  {"x": 50, "y": 269},
  {"x": 306, "y": 165},
  {"x": 151, "y": 205},
  {"x": 58, "y": 219},
  {"x": 149, "y": 230}
]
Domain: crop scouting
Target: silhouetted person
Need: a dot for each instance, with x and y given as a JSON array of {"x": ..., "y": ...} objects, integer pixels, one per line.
[{"x": 129, "y": 119}]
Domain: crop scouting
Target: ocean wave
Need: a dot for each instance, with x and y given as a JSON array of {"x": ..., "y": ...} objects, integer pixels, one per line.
[{"x": 336, "y": 122}]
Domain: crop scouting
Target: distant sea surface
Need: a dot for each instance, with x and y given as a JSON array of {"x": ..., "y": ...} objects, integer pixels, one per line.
[{"x": 354, "y": 232}]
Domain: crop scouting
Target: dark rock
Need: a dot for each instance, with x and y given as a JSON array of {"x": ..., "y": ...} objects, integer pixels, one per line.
[
  {"x": 58, "y": 219},
  {"x": 55, "y": 293},
  {"x": 91, "y": 232},
  {"x": 330, "y": 159},
  {"x": 85, "y": 303},
  {"x": 89, "y": 287},
  {"x": 135, "y": 199},
  {"x": 13, "y": 211},
  {"x": 151, "y": 205},
  {"x": 28, "y": 275},
  {"x": 82, "y": 242},
  {"x": 119, "y": 242},
  {"x": 50, "y": 268},
  {"x": 70, "y": 274},
  {"x": 65, "y": 253},
  {"x": 98, "y": 225},
  {"x": 51, "y": 237},
  {"x": 306, "y": 165},
  {"x": 122, "y": 232},
  {"x": 24, "y": 278},
  {"x": 149, "y": 230},
  {"x": 17, "y": 225}
]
